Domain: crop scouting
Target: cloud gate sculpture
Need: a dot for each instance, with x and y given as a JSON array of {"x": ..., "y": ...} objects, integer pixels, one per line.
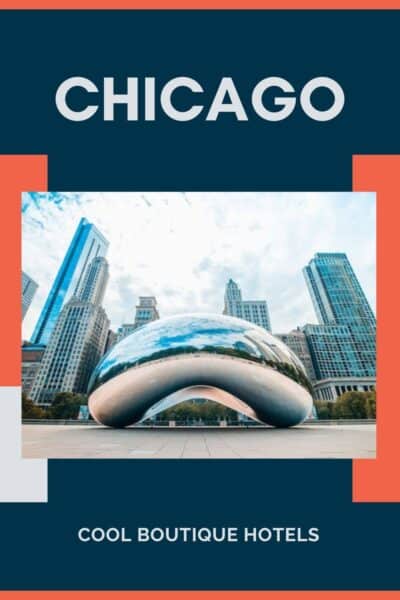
[{"x": 221, "y": 358}]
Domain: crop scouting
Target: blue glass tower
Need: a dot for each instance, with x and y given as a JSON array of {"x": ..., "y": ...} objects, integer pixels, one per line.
[
  {"x": 339, "y": 300},
  {"x": 86, "y": 244}
]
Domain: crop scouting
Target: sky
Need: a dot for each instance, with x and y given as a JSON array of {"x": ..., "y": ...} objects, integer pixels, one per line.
[{"x": 183, "y": 247}]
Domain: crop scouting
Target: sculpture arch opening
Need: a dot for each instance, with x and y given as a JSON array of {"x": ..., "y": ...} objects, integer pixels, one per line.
[{"x": 201, "y": 392}]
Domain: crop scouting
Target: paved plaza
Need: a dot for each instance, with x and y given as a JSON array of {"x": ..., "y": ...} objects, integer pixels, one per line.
[{"x": 305, "y": 441}]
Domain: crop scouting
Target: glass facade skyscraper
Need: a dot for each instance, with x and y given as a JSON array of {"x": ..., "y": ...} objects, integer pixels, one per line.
[
  {"x": 29, "y": 287},
  {"x": 78, "y": 339},
  {"x": 87, "y": 244},
  {"x": 333, "y": 351},
  {"x": 339, "y": 301},
  {"x": 255, "y": 311}
]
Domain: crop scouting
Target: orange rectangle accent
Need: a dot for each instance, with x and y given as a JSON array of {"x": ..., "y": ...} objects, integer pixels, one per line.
[
  {"x": 201, "y": 4},
  {"x": 377, "y": 480},
  {"x": 17, "y": 173}
]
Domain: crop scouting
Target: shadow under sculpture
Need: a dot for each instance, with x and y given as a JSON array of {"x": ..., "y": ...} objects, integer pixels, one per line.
[{"x": 225, "y": 359}]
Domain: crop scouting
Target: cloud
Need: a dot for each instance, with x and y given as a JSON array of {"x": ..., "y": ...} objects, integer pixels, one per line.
[{"x": 183, "y": 248}]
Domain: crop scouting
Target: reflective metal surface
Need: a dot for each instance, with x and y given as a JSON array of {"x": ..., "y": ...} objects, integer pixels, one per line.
[{"x": 238, "y": 363}]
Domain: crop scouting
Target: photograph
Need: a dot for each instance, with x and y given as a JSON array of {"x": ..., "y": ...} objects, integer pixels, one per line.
[{"x": 198, "y": 325}]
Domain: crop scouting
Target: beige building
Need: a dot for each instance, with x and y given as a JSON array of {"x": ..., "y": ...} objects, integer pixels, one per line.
[
  {"x": 297, "y": 342},
  {"x": 31, "y": 358},
  {"x": 255, "y": 311},
  {"x": 146, "y": 312}
]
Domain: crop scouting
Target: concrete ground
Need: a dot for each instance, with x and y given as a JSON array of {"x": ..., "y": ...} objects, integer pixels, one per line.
[{"x": 305, "y": 441}]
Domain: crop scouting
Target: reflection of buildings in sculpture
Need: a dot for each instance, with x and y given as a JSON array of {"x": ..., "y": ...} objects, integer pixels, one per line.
[
  {"x": 78, "y": 339},
  {"x": 146, "y": 312},
  {"x": 31, "y": 358},
  {"x": 297, "y": 342},
  {"x": 238, "y": 363},
  {"x": 29, "y": 287},
  {"x": 255, "y": 311},
  {"x": 86, "y": 244}
]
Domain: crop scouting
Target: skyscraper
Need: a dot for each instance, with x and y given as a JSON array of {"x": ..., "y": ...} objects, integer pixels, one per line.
[
  {"x": 336, "y": 292},
  {"x": 78, "y": 339},
  {"x": 255, "y": 311},
  {"x": 146, "y": 311},
  {"x": 29, "y": 287},
  {"x": 31, "y": 359},
  {"x": 94, "y": 282},
  {"x": 339, "y": 300},
  {"x": 110, "y": 341},
  {"x": 87, "y": 243},
  {"x": 333, "y": 351},
  {"x": 124, "y": 330}
]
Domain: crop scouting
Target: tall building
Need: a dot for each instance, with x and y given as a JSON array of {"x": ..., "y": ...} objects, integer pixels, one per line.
[
  {"x": 340, "y": 301},
  {"x": 146, "y": 311},
  {"x": 124, "y": 330},
  {"x": 296, "y": 340},
  {"x": 94, "y": 282},
  {"x": 255, "y": 311},
  {"x": 110, "y": 341},
  {"x": 343, "y": 345},
  {"x": 87, "y": 244},
  {"x": 332, "y": 351},
  {"x": 336, "y": 362},
  {"x": 31, "y": 358},
  {"x": 29, "y": 287},
  {"x": 78, "y": 339}
]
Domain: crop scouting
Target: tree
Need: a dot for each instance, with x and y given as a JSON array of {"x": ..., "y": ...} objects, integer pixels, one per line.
[
  {"x": 350, "y": 405},
  {"x": 195, "y": 411},
  {"x": 371, "y": 404},
  {"x": 66, "y": 405},
  {"x": 324, "y": 409},
  {"x": 30, "y": 410}
]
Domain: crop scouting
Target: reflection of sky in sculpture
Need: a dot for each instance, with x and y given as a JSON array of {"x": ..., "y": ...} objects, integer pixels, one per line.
[{"x": 194, "y": 333}]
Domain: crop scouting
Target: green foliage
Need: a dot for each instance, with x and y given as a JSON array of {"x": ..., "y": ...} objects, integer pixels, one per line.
[
  {"x": 371, "y": 405},
  {"x": 66, "y": 405},
  {"x": 197, "y": 411},
  {"x": 350, "y": 405},
  {"x": 30, "y": 410},
  {"x": 324, "y": 409}
]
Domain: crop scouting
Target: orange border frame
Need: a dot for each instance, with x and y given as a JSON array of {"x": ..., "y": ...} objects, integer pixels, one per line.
[
  {"x": 202, "y": 4},
  {"x": 373, "y": 480}
]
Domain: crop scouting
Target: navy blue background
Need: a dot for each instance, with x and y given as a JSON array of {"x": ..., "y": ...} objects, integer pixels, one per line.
[{"x": 38, "y": 50}]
